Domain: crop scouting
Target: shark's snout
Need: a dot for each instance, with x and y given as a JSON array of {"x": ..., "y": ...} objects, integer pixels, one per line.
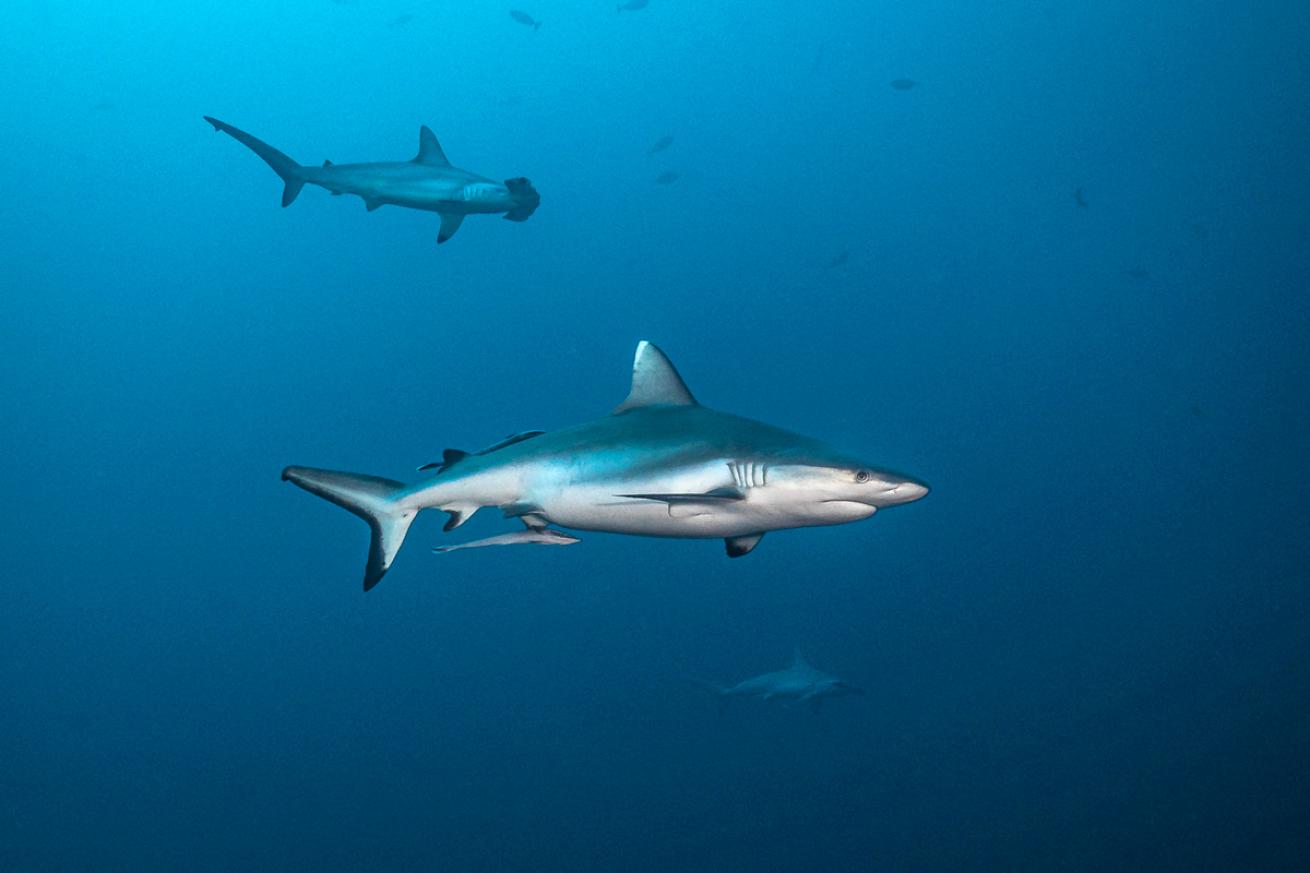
[{"x": 908, "y": 491}]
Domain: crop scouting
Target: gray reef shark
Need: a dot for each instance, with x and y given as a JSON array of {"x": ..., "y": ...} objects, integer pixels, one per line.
[
  {"x": 660, "y": 465},
  {"x": 798, "y": 684},
  {"x": 427, "y": 182}
]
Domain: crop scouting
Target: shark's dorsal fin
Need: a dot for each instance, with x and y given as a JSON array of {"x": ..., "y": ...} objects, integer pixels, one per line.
[
  {"x": 429, "y": 150},
  {"x": 655, "y": 381},
  {"x": 797, "y": 659}
]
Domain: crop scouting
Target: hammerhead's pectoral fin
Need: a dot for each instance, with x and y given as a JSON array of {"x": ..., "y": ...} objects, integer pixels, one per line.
[
  {"x": 688, "y": 505},
  {"x": 450, "y": 222}
]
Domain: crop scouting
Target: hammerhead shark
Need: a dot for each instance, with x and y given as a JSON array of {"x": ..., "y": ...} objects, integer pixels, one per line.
[
  {"x": 798, "y": 684},
  {"x": 660, "y": 465},
  {"x": 427, "y": 182}
]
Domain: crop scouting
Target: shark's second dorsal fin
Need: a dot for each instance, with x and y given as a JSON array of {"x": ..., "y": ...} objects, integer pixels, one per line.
[
  {"x": 655, "y": 381},
  {"x": 429, "y": 150}
]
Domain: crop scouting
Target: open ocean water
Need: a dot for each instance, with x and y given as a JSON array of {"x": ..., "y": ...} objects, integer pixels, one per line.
[{"x": 1051, "y": 258}]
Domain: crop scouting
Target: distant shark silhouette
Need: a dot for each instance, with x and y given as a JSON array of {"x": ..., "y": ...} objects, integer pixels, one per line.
[
  {"x": 661, "y": 465},
  {"x": 801, "y": 683},
  {"x": 427, "y": 182}
]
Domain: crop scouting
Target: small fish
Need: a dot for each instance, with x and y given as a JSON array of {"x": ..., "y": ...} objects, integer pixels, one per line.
[
  {"x": 1138, "y": 273},
  {"x": 903, "y": 84},
  {"x": 660, "y": 145},
  {"x": 534, "y": 535},
  {"x": 668, "y": 177},
  {"x": 400, "y": 21},
  {"x": 1197, "y": 411},
  {"x": 1079, "y": 198},
  {"x": 524, "y": 18},
  {"x": 633, "y": 5},
  {"x": 838, "y": 259}
]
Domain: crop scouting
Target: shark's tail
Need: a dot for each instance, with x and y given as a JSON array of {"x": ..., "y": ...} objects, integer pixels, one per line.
[
  {"x": 292, "y": 173},
  {"x": 373, "y": 499},
  {"x": 720, "y": 692}
]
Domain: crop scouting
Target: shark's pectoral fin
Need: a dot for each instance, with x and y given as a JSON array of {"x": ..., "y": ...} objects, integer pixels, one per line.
[
  {"x": 690, "y": 505},
  {"x": 450, "y": 222},
  {"x": 738, "y": 546}
]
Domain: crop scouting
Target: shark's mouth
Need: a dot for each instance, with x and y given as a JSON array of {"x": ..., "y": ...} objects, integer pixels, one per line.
[{"x": 526, "y": 199}]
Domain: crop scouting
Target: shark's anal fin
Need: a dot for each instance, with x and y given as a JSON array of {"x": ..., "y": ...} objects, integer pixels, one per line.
[
  {"x": 655, "y": 381},
  {"x": 459, "y": 513},
  {"x": 743, "y": 545},
  {"x": 450, "y": 222},
  {"x": 371, "y": 203}
]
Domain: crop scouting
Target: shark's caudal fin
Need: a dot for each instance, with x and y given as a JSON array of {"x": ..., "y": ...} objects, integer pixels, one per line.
[
  {"x": 372, "y": 499},
  {"x": 292, "y": 173}
]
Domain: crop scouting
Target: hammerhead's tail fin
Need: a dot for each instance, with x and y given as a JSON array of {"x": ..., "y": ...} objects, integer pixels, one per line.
[
  {"x": 292, "y": 173},
  {"x": 373, "y": 499}
]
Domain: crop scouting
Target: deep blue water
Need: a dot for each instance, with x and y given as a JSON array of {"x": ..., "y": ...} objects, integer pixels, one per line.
[{"x": 1085, "y": 650}]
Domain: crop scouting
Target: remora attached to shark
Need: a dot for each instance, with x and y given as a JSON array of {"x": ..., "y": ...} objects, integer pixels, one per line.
[
  {"x": 800, "y": 683},
  {"x": 427, "y": 182},
  {"x": 660, "y": 465}
]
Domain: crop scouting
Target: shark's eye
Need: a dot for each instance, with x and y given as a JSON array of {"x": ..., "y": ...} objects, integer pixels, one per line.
[{"x": 862, "y": 476}]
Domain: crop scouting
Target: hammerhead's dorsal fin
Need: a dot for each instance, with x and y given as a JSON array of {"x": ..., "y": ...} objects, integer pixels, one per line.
[
  {"x": 429, "y": 150},
  {"x": 655, "y": 381}
]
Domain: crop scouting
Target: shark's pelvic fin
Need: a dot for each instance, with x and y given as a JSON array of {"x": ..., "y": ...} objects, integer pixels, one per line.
[
  {"x": 372, "y": 499},
  {"x": 292, "y": 173},
  {"x": 743, "y": 545},
  {"x": 450, "y": 222},
  {"x": 519, "y": 510},
  {"x": 655, "y": 381},
  {"x": 429, "y": 150}
]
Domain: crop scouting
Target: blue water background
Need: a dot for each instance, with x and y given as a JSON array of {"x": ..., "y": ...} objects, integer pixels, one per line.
[{"x": 1085, "y": 650}]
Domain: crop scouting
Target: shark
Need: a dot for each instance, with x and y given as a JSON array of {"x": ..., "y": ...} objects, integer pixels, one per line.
[
  {"x": 659, "y": 465},
  {"x": 428, "y": 182},
  {"x": 800, "y": 683}
]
